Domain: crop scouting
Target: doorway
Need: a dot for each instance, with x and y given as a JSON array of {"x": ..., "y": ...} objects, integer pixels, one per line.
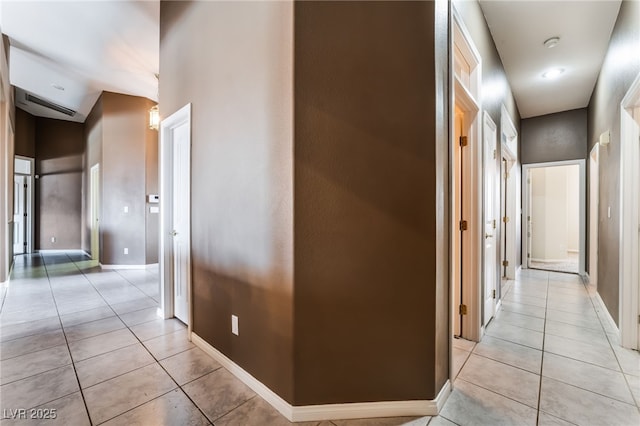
[
  {"x": 23, "y": 202},
  {"x": 630, "y": 217},
  {"x": 466, "y": 200},
  {"x": 509, "y": 197},
  {"x": 555, "y": 212},
  {"x": 94, "y": 185},
  {"x": 175, "y": 219},
  {"x": 489, "y": 132}
]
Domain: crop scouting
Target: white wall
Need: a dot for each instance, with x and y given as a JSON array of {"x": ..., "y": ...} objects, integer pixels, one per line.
[{"x": 554, "y": 212}]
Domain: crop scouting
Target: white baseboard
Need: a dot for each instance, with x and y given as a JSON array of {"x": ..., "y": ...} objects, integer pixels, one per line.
[
  {"x": 60, "y": 251},
  {"x": 607, "y": 315},
  {"x": 150, "y": 266},
  {"x": 327, "y": 411}
]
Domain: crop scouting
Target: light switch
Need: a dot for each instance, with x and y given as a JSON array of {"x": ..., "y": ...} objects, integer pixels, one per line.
[
  {"x": 126, "y": 209},
  {"x": 609, "y": 212},
  {"x": 154, "y": 209}
]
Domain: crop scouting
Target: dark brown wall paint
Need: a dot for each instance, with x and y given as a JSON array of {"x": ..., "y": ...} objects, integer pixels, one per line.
[
  {"x": 233, "y": 62},
  {"x": 58, "y": 206},
  {"x": 25, "y": 135},
  {"x": 366, "y": 201},
  {"x": 555, "y": 137},
  {"x": 616, "y": 76},
  {"x": 495, "y": 86},
  {"x": 118, "y": 138}
]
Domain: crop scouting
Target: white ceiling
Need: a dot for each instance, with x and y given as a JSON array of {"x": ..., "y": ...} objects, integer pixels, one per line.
[
  {"x": 85, "y": 47},
  {"x": 519, "y": 29}
]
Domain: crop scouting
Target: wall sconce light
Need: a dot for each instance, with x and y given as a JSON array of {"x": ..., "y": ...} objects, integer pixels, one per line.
[
  {"x": 154, "y": 118},
  {"x": 605, "y": 138}
]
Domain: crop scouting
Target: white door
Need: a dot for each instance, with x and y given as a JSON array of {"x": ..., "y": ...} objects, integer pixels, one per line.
[
  {"x": 19, "y": 212},
  {"x": 95, "y": 212},
  {"x": 180, "y": 212},
  {"x": 490, "y": 218}
]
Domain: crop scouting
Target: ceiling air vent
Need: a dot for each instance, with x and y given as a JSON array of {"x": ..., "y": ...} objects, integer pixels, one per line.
[{"x": 50, "y": 105}]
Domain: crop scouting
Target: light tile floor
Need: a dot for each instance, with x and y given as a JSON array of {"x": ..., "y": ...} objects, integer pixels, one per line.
[{"x": 88, "y": 343}]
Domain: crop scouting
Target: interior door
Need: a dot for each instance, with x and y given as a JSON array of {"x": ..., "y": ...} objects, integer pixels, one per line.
[
  {"x": 19, "y": 212},
  {"x": 95, "y": 212},
  {"x": 490, "y": 218},
  {"x": 180, "y": 220}
]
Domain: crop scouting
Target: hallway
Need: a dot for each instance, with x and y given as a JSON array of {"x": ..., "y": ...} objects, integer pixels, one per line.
[{"x": 88, "y": 343}]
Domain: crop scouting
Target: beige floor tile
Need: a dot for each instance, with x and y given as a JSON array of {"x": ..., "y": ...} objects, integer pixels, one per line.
[
  {"x": 545, "y": 419},
  {"x": 86, "y": 316},
  {"x": 107, "y": 366},
  {"x": 574, "y": 332},
  {"x": 594, "y": 354},
  {"x": 575, "y": 319},
  {"x": 526, "y": 300},
  {"x": 68, "y": 410},
  {"x": 93, "y": 328},
  {"x": 255, "y": 412},
  {"x": 170, "y": 409},
  {"x": 189, "y": 365},
  {"x": 510, "y": 353},
  {"x": 469, "y": 404},
  {"x": 141, "y": 316},
  {"x": 583, "y": 407},
  {"x": 28, "y": 328},
  {"x": 519, "y": 320},
  {"x": 113, "y": 397},
  {"x": 134, "y": 305},
  {"x": 34, "y": 363},
  {"x": 634, "y": 385},
  {"x": 388, "y": 421},
  {"x": 218, "y": 393},
  {"x": 459, "y": 357},
  {"x": 629, "y": 360},
  {"x": 503, "y": 379},
  {"x": 534, "y": 311},
  {"x": 158, "y": 327},
  {"x": 39, "y": 389},
  {"x": 440, "y": 421},
  {"x": 25, "y": 345},
  {"x": 169, "y": 344},
  {"x": 587, "y": 376},
  {"x": 519, "y": 335},
  {"x": 464, "y": 344},
  {"x": 97, "y": 345}
]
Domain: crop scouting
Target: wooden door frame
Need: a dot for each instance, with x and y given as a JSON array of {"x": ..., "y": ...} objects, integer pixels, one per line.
[
  {"x": 177, "y": 119},
  {"x": 629, "y": 293},
  {"x": 526, "y": 208}
]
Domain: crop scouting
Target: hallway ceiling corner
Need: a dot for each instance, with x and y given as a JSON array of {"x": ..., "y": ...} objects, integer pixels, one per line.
[
  {"x": 520, "y": 28},
  {"x": 68, "y": 52}
]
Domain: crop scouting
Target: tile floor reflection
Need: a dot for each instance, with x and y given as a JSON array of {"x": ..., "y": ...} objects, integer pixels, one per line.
[{"x": 89, "y": 343}]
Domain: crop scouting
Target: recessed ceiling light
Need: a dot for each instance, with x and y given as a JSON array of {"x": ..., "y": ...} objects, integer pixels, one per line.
[
  {"x": 57, "y": 86},
  {"x": 552, "y": 42},
  {"x": 553, "y": 73}
]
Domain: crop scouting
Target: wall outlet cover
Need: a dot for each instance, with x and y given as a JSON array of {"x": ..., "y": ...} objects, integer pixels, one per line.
[{"x": 234, "y": 324}]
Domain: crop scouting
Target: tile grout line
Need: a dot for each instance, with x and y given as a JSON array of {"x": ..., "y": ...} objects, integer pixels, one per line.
[
  {"x": 544, "y": 334},
  {"x": 75, "y": 372}
]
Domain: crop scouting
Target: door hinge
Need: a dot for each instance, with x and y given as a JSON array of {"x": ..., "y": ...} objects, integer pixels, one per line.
[
  {"x": 505, "y": 219},
  {"x": 25, "y": 186},
  {"x": 528, "y": 218},
  {"x": 463, "y": 225},
  {"x": 494, "y": 224},
  {"x": 24, "y": 244},
  {"x": 464, "y": 141},
  {"x": 528, "y": 255},
  {"x": 505, "y": 263},
  {"x": 494, "y": 154},
  {"x": 25, "y": 215},
  {"x": 462, "y": 309},
  {"x": 494, "y": 294},
  {"x": 528, "y": 234}
]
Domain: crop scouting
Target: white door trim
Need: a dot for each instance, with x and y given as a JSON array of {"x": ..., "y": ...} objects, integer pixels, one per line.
[
  {"x": 629, "y": 221},
  {"x": 582, "y": 204},
  {"x": 509, "y": 147},
  {"x": 468, "y": 95},
  {"x": 30, "y": 200},
  {"x": 94, "y": 211},
  {"x": 490, "y": 135},
  {"x": 177, "y": 119}
]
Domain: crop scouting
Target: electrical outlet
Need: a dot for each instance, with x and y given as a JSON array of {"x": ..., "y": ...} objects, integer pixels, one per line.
[
  {"x": 234, "y": 324},
  {"x": 53, "y": 239},
  {"x": 609, "y": 213},
  {"x": 126, "y": 209},
  {"x": 126, "y": 250}
]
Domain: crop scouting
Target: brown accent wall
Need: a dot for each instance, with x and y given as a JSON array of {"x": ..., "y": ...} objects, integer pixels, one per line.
[
  {"x": 370, "y": 167},
  {"x": 59, "y": 148},
  {"x": 233, "y": 62},
  {"x": 620, "y": 67},
  {"x": 118, "y": 138},
  {"x": 555, "y": 137},
  {"x": 495, "y": 89},
  {"x": 25, "y": 136}
]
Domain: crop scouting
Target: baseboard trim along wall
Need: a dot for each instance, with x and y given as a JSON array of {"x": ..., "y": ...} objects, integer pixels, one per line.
[
  {"x": 607, "y": 316},
  {"x": 327, "y": 411},
  {"x": 150, "y": 266}
]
